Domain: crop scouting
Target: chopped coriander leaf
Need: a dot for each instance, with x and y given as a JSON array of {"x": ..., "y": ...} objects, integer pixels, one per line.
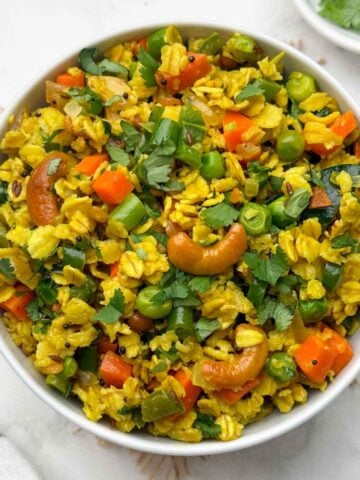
[
  {"x": 89, "y": 99},
  {"x": 205, "y": 327},
  {"x": 270, "y": 269},
  {"x": 118, "y": 155},
  {"x": 113, "y": 310},
  {"x": 46, "y": 292},
  {"x": 316, "y": 178},
  {"x": 135, "y": 413},
  {"x": 200, "y": 284},
  {"x": 251, "y": 90},
  {"x": 33, "y": 310},
  {"x": 222, "y": 215},
  {"x": 3, "y": 192},
  {"x": 277, "y": 311},
  {"x": 53, "y": 166},
  {"x": 6, "y": 268},
  {"x": 172, "y": 354},
  {"x": 48, "y": 141},
  {"x": 160, "y": 367},
  {"x": 176, "y": 290},
  {"x": 148, "y": 68},
  {"x": 345, "y": 13},
  {"x": 130, "y": 135},
  {"x": 344, "y": 240},
  {"x": 87, "y": 62},
  {"x": 207, "y": 426}
]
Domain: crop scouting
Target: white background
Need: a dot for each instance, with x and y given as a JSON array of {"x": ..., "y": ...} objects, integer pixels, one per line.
[{"x": 34, "y": 33}]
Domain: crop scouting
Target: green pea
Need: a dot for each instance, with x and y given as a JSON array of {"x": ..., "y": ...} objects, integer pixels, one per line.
[
  {"x": 181, "y": 321},
  {"x": 277, "y": 209},
  {"x": 300, "y": 86},
  {"x": 290, "y": 146},
  {"x": 312, "y": 310},
  {"x": 213, "y": 165},
  {"x": 281, "y": 367},
  {"x": 146, "y": 305},
  {"x": 255, "y": 218}
]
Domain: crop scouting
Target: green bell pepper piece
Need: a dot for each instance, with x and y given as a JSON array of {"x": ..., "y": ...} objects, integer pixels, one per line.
[
  {"x": 130, "y": 212},
  {"x": 191, "y": 155},
  {"x": 331, "y": 276},
  {"x": 160, "y": 403},
  {"x": 63, "y": 385},
  {"x": 181, "y": 320},
  {"x": 88, "y": 359},
  {"x": 191, "y": 115},
  {"x": 211, "y": 44},
  {"x": 297, "y": 203}
]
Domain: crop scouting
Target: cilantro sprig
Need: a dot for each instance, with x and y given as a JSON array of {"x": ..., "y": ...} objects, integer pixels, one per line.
[
  {"x": 222, "y": 215},
  {"x": 113, "y": 310},
  {"x": 272, "y": 309},
  {"x": 267, "y": 269},
  {"x": 345, "y": 13}
]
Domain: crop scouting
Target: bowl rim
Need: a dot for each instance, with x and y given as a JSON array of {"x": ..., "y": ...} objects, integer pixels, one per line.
[
  {"x": 147, "y": 444},
  {"x": 335, "y": 33}
]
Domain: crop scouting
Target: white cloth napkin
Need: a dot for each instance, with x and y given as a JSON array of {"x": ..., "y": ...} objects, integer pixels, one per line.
[{"x": 13, "y": 466}]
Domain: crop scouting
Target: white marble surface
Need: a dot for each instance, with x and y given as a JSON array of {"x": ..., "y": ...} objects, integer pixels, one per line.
[{"x": 32, "y": 32}]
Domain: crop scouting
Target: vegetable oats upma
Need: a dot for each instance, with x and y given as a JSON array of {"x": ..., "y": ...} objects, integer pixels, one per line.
[{"x": 179, "y": 235}]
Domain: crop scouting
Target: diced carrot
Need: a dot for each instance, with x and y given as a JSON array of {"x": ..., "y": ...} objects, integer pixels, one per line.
[
  {"x": 91, "y": 163},
  {"x": 344, "y": 124},
  {"x": 16, "y": 305},
  {"x": 114, "y": 269},
  {"x": 315, "y": 358},
  {"x": 231, "y": 396},
  {"x": 236, "y": 196},
  {"x": 235, "y": 125},
  {"x": 141, "y": 43},
  {"x": 342, "y": 127},
  {"x": 169, "y": 101},
  {"x": 112, "y": 186},
  {"x": 195, "y": 69},
  {"x": 68, "y": 80},
  {"x": 114, "y": 370},
  {"x": 341, "y": 346},
  {"x": 105, "y": 345},
  {"x": 320, "y": 198},
  {"x": 192, "y": 393}
]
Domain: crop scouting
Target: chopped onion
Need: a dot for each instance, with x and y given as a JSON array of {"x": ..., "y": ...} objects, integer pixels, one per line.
[
  {"x": 86, "y": 379},
  {"x": 73, "y": 109}
]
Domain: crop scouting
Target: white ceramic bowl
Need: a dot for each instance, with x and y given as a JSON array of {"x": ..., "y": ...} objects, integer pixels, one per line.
[
  {"x": 345, "y": 38},
  {"x": 273, "y": 425}
]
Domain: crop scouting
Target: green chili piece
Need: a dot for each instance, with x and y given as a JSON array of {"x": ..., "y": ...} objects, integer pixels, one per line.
[
  {"x": 331, "y": 276},
  {"x": 257, "y": 291},
  {"x": 160, "y": 403},
  {"x": 3, "y": 240},
  {"x": 165, "y": 130},
  {"x": 312, "y": 310},
  {"x": 88, "y": 359},
  {"x": 211, "y": 44},
  {"x": 213, "y": 165},
  {"x": 277, "y": 209},
  {"x": 74, "y": 257},
  {"x": 191, "y": 155},
  {"x": 181, "y": 320},
  {"x": 146, "y": 305},
  {"x": 281, "y": 367},
  {"x": 297, "y": 203},
  {"x": 132, "y": 69},
  {"x": 255, "y": 218},
  {"x": 290, "y": 146},
  {"x": 63, "y": 385},
  {"x": 300, "y": 86},
  {"x": 270, "y": 88},
  {"x": 130, "y": 212}
]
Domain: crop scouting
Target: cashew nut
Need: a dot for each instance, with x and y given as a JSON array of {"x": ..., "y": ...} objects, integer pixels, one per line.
[
  {"x": 41, "y": 202},
  {"x": 215, "y": 375},
  {"x": 192, "y": 258}
]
